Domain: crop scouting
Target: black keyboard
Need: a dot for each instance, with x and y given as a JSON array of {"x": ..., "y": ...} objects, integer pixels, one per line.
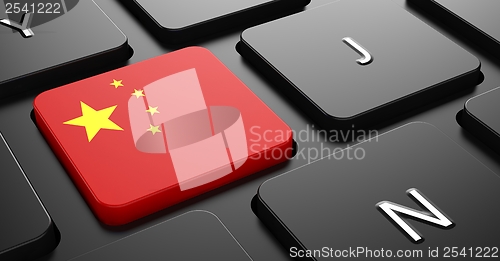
[{"x": 249, "y": 130}]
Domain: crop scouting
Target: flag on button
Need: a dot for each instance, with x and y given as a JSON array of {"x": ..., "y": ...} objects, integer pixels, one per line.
[{"x": 150, "y": 135}]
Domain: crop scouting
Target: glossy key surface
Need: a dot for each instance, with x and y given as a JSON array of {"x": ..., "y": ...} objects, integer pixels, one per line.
[
  {"x": 196, "y": 235},
  {"x": 27, "y": 230},
  {"x": 150, "y": 135},
  {"x": 77, "y": 40},
  {"x": 349, "y": 64},
  {"x": 477, "y": 20},
  {"x": 184, "y": 20},
  {"x": 480, "y": 117},
  {"x": 336, "y": 202}
]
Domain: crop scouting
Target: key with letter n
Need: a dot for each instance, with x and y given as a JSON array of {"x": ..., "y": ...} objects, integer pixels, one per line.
[{"x": 394, "y": 212}]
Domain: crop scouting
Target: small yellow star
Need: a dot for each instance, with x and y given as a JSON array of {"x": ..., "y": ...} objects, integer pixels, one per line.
[
  {"x": 117, "y": 83},
  {"x": 152, "y": 110},
  {"x": 154, "y": 129},
  {"x": 138, "y": 93},
  {"x": 94, "y": 120}
]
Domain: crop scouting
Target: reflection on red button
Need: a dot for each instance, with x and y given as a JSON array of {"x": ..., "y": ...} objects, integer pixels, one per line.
[{"x": 150, "y": 135}]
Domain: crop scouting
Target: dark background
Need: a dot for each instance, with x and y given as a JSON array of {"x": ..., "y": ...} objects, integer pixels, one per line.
[{"x": 80, "y": 230}]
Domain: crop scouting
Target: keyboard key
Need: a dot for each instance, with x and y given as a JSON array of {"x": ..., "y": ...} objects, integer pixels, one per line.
[
  {"x": 480, "y": 117},
  {"x": 179, "y": 21},
  {"x": 28, "y": 232},
  {"x": 477, "y": 20},
  {"x": 349, "y": 65},
  {"x": 196, "y": 235},
  {"x": 53, "y": 47},
  {"x": 412, "y": 188},
  {"x": 150, "y": 135}
]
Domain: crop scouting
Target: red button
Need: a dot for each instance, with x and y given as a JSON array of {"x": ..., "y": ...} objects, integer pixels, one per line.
[{"x": 150, "y": 135}]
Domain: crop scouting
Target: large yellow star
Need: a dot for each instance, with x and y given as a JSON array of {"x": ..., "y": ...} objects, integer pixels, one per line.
[
  {"x": 94, "y": 121},
  {"x": 117, "y": 83},
  {"x": 152, "y": 110}
]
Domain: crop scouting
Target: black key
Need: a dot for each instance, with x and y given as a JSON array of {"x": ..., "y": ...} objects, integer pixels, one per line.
[
  {"x": 412, "y": 188},
  {"x": 196, "y": 235},
  {"x": 358, "y": 62},
  {"x": 177, "y": 21},
  {"x": 480, "y": 117},
  {"x": 77, "y": 39},
  {"x": 478, "y": 20},
  {"x": 27, "y": 231}
]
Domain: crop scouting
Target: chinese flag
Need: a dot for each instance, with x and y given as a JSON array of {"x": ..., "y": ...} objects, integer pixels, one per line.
[{"x": 150, "y": 135}]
